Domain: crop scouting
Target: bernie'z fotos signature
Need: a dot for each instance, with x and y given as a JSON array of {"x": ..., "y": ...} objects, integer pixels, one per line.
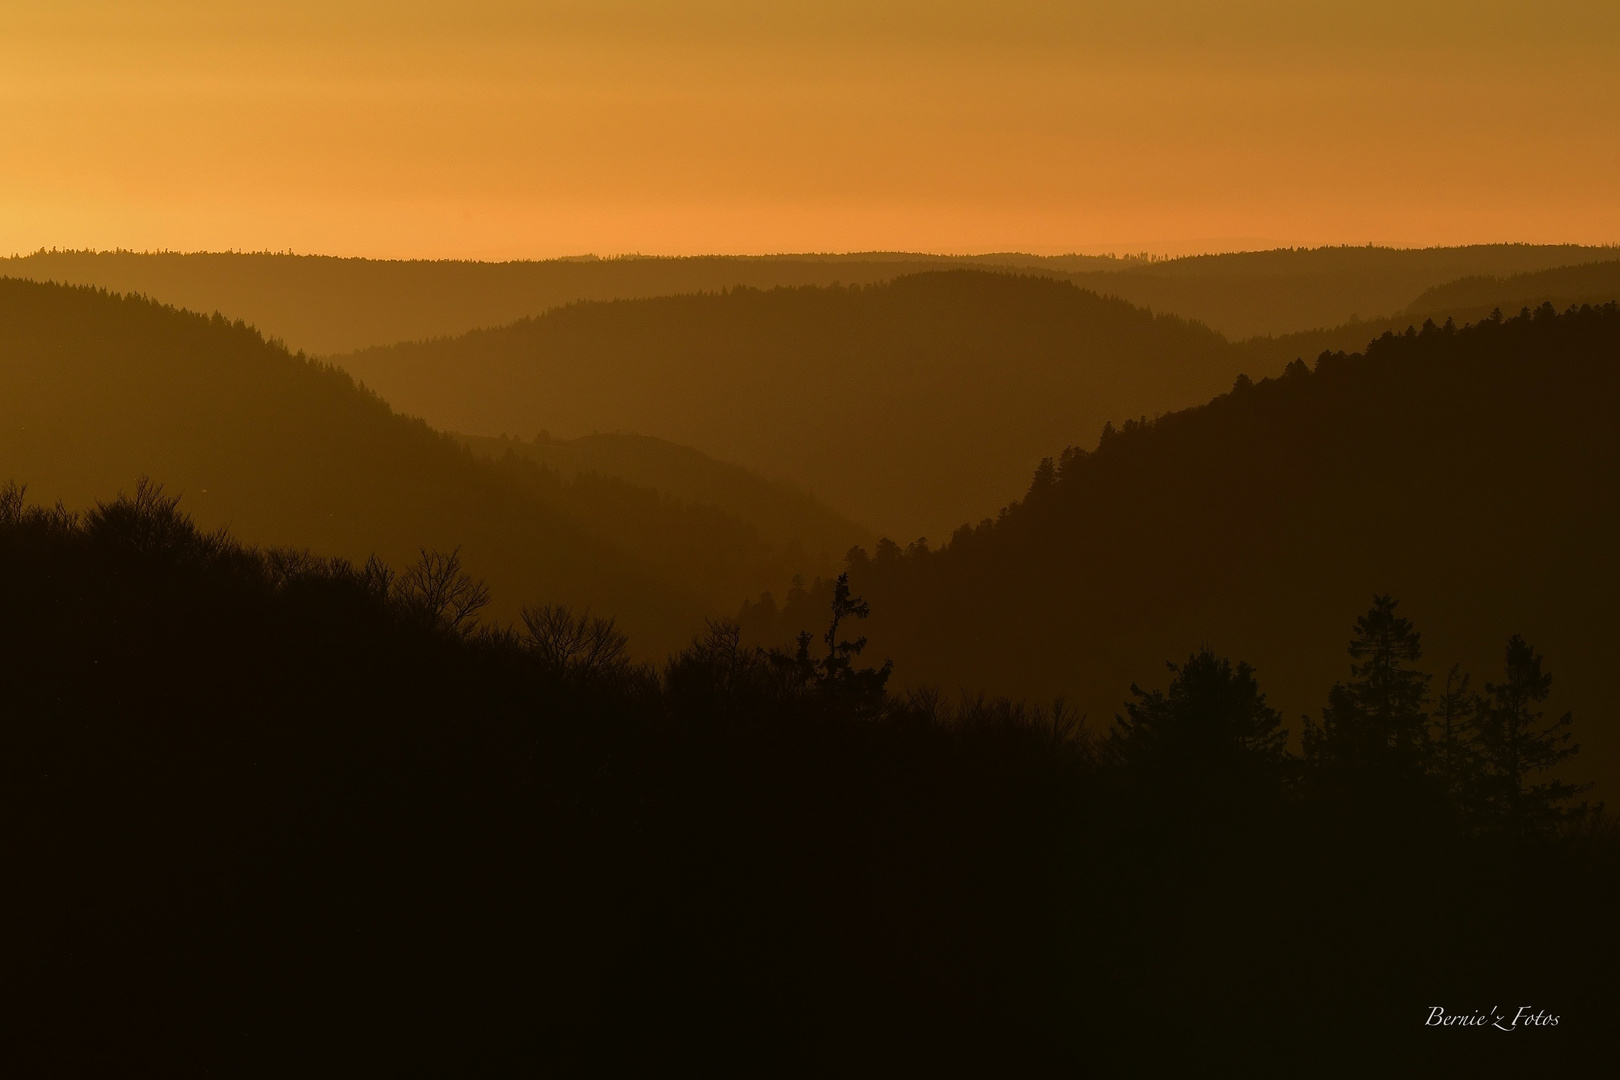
[{"x": 1526, "y": 1016}]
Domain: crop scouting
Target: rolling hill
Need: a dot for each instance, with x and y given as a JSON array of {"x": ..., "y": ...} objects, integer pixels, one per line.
[
  {"x": 1465, "y": 300},
  {"x": 1253, "y": 293},
  {"x": 781, "y": 514},
  {"x": 912, "y": 405},
  {"x": 323, "y": 304},
  {"x": 102, "y": 389},
  {"x": 1593, "y": 282}
]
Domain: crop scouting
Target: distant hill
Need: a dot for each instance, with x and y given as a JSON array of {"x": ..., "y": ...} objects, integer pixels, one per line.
[
  {"x": 1254, "y": 293},
  {"x": 329, "y": 305},
  {"x": 1595, "y": 282},
  {"x": 322, "y": 304},
  {"x": 1474, "y": 474},
  {"x": 101, "y": 389},
  {"x": 781, "y": 513},
  {"x": 1465, "y": 300},
  {"x": 912, "y": 405}
]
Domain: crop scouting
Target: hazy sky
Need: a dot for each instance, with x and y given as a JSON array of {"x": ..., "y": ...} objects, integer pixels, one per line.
[{"x": 502, "y": 129}]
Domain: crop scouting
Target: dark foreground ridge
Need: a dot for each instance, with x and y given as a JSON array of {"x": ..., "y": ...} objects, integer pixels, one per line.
[
  {"x": 1473, "y": 471},
  {"x": 266, "y": 812}
]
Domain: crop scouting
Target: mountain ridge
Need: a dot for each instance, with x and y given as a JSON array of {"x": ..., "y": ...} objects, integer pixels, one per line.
[{"x": 103, "y": 389}]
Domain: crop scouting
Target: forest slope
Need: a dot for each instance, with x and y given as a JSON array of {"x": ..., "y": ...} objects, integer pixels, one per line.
[
  {"x": 781, "y": 513},
  {"x": 911, "y": 406},
  {"x": 1474, "y": 474},
  {"x": 265, "y": 813},
  {"x": 102, "y": 389},
  {"x": 1466, "y": 300},
  {"x": 1593, "y": 282}
]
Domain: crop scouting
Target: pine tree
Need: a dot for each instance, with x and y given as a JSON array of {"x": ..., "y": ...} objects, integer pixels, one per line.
[
  {"x": 1516, "y": 746},
  {"x": 1376, "y": 720},
  {"x": 835, "y": 675},
  {"x": 1455, "y": 723},
  {"x": 1212, "y": 727}
]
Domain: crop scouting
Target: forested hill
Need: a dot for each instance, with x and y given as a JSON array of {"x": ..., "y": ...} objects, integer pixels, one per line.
[
  {"x": 911, "y": 406},
  {"x": 101, "y": 389},
  {"x": 781, "y": 513},
  {"x": 1472, "y": 473},
  {"x": 1592, "y": 282},
  {"x": 265, "y": 812},
  {"x": 327, "y": 305},
  {"x": 1465, "y": 300},
  {"x": 1251, "y": 293}
]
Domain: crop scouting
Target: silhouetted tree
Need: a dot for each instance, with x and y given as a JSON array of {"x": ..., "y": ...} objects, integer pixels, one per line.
[
  {"x": 575, "y": 644},
  {"x": 1454, "y": 723},
  {"x": 1376, "y": 720},
  {"x": 258, "y": 790},
  {"x": 834, "y": 675},
  {"x": 438, "y": 590},
  {"x": 1211, "y": 727},
  {"x": 1516, "y": 747},
  {"x": 1045, "y": 478}
]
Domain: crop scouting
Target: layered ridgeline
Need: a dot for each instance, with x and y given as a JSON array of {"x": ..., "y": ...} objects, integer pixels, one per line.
[
  {"x": 1251, "y": 293},
  {"x": 1474, "y": 474},
  {"x": 326, "y": 305},
  {"x": 782, "y": 514},
  {"x": 1465, "y": 300},
  {"x": 101, "y": 389},
  {"x": 911, "y": 406}
]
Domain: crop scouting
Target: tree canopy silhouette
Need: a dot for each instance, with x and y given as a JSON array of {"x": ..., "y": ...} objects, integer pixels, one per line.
[
  {"x": 1470, "y": 470},
  {"x": 271, "y": 811}
]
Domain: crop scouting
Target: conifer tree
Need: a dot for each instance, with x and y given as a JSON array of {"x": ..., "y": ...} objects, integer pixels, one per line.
[
  {"x": 1377, "y": 719},
  {"x": 1211, "y": 726},
  {"x": 835, "y": 675},
  {"x": 1517, "y": 747},
  {"x": 1456, "y": 758}
]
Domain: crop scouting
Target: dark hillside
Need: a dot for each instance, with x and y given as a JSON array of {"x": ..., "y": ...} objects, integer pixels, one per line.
[
  {"x": 1475, "y": 474},
  {"x": 272, "y": 814},
  {"x": 100, "y": 390},
  {"x": 911, "y": 406}
]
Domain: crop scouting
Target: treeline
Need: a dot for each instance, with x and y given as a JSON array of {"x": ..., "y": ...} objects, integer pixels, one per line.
[
  {"x": 1465, "y": 300},
  {"x": 1584, "y": 282},
  {"x": 1481, "y": 758},
  {"x": 266, "y": 811},
  {"x": 1473, "y": 471},
  {"x": 1287, "y": 290}
]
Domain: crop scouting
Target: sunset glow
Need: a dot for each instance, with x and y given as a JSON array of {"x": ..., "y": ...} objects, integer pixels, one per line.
[{"x": 502, "y": 130}]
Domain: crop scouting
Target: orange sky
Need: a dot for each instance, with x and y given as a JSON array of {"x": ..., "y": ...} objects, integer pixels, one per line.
[{"x": 493, "y": 129}]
